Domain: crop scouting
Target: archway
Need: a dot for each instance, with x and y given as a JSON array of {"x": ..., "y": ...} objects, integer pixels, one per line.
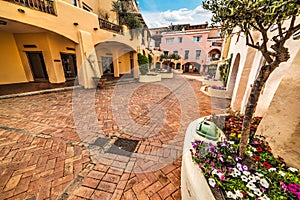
[
  {"x": 178, "y": 66},
  {"x": 233, "y": 74},
  {"x": 244, "y": 79},
  {"x": 157, "y": 65},
  {"x": 214, "y": 54},
  {"x": 115, "y": 59}
]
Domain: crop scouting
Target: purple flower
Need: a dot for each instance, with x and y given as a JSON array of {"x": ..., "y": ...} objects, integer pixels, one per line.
[
  {"x": 198, "y": 154},
  {"x": 245, "y": 168}
]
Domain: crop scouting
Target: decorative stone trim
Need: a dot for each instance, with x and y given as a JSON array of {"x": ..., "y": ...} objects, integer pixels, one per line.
[
  {"x": 210, "y": 83},
  {"x": 150, "y": 78},
  {"x": 166, "y": 75}
]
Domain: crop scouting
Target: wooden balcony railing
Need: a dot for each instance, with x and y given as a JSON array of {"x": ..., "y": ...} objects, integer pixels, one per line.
[
  {"x": 46, "y": 6},
  {"x": 109, "y": 26},
  {"x": 217, "y": 44}
]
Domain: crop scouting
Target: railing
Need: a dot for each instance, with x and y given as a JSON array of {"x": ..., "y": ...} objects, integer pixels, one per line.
[
  {"x": 109, "y": 26},
  {"x": 218, "y": 44},
  {"x": 46, "y": 6}
]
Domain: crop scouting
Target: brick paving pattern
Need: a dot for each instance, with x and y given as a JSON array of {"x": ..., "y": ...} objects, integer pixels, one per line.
[{"x": 56, "y": 145}]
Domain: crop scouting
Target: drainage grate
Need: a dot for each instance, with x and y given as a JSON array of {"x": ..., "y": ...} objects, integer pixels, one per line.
[
  {"x": 100, "y": 142},
  {"x": 123, "y": 147}
]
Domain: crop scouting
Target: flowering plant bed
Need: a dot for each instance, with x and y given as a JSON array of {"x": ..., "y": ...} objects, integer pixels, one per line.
[
  {"x": 217, "y": 87},
  {"x": 259, "y": 176}
]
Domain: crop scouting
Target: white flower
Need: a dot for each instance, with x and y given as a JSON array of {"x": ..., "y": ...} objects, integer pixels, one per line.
[
  {"x": 239, "y": 194},
  {"x": 212, "y": 182},
  {"x": 250, "y": 194},
  {"x": 253, "y": 149},
  {"x": 251, "y": 186},
  {"x": 230, "y": 142},
  {"x": 259, "y": 174},
  {"x": 239, "y": 166},
  {"x": 281, "y": 173},
  {"x": 244, "y": 178},
  {"x": 230, "y": 195},
  {"x": 257, "y": 192},
  {"x": 272, "y": 169},
  {"x": 214, "y": 171},
  {"x": 252, "y": 178},
  {"x": 250, "y": 153},
  {"x": 237, "y": 172},
  {"x": 246, "y": 173},
  {"x": 264, "y": 183},
  {"x": 292, "y": 169},
  {"x": 264, "y": 198}
]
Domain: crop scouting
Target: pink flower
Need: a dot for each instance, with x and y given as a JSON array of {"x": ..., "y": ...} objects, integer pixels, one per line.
[
  {"x": 255, "y": 142},
  {"x": 222, "y": 178},
  {"x": 283, "y": 186}
]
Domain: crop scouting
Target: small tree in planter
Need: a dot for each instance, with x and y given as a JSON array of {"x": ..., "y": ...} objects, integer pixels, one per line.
[
  {"x": 259, "y": 16},
  {"x": 143, "y": 63}
]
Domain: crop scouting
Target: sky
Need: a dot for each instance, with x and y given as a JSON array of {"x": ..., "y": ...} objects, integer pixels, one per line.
[{"x": 159, "y": 13}]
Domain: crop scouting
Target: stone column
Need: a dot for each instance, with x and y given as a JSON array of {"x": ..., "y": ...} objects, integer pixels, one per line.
[
  {"x": 86, "y": 60},
  {"x": 136, "y": 70},
  {"x": 116, "y": 64}
]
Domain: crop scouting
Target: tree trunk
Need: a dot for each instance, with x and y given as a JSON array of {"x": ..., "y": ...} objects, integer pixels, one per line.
[{"x": 264, "y": 74}]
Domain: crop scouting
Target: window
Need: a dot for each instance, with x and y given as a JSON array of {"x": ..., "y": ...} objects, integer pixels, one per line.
[
  {"x": 186, "y": 54},
  {"x": 197, "y": 38},
  {"x": 198, "y": 52},
  {"x": 175, "y": 52},
  {"x": 169, "y": 40},
  {"x": 166, "y": 53},
  {"x": 179, "y": 39},
  {"x": 74, "y": 2}
]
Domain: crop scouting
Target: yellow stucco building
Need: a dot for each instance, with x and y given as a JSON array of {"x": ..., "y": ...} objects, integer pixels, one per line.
[{"x": 57, "y": 40}]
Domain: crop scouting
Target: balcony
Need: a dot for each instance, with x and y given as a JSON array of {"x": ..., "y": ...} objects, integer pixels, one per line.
[
  {"x": 216, "y": 44},
  {"x": 46, "y": 6},
  {"x": 109, "y": 26}
]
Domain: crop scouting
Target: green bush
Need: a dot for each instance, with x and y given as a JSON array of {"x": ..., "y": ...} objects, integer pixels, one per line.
[{"x": 143, "y": 63}]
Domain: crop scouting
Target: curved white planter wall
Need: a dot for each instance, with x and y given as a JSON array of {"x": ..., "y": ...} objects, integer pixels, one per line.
[
  {"x": 193, "y": 183},
  {"x": 149, "y": 78}
]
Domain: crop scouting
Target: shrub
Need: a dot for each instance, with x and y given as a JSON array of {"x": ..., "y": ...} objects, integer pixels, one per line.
[{"x": 143, "y": 63}]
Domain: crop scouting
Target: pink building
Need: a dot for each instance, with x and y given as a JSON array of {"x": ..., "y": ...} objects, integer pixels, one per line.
[{"x": 199, "y": 46}]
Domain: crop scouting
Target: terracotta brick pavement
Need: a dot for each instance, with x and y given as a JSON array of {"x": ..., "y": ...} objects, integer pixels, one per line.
[{"x": 47, "y": 153}]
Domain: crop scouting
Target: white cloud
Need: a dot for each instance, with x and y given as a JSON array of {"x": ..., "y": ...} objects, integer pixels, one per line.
[{"x": 180, "y": 16}]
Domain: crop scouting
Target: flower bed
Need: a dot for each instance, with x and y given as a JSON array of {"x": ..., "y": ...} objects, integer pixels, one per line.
[
  {"x": 217, "y": 92},
  {"x": 259, "y": 176}
]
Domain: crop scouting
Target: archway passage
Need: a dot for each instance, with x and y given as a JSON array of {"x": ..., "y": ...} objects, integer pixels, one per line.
[
  {"x": 191, "y": 67},
  {"x": 115, "y": 59},
  {"x": 214, "y": 54},
  {"x": 242, "y": 86},
  {"x": 157, "y": 65},
  {"x": 233, "y": 74}
]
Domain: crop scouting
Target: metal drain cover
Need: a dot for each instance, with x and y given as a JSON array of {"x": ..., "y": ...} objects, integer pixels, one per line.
[
  {"x": 123, "y": 147},
  {"x": 101, "y": 142}
]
